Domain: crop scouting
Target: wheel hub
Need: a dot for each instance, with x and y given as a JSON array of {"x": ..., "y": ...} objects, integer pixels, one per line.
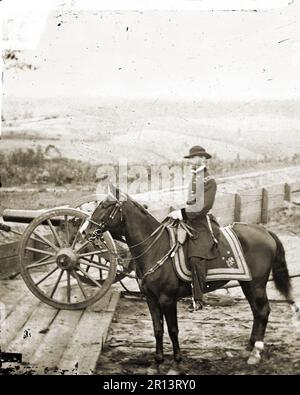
[{"x": 66, "y": 259}]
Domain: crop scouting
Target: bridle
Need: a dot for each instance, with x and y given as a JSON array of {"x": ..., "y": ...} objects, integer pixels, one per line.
[{"x": 98, "y": 232}]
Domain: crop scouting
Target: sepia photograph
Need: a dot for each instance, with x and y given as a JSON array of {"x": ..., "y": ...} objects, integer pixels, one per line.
[{"x": 150, "y": 190}]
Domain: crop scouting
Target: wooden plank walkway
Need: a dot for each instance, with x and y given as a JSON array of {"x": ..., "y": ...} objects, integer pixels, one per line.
[{"x": 52, "y": 341}]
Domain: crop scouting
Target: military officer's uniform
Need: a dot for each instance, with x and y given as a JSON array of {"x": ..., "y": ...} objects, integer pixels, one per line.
[{"x": 202, "y": 246}]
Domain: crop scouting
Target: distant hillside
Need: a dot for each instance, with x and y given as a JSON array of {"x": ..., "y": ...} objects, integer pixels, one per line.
[{"x": 94, "y": 130}]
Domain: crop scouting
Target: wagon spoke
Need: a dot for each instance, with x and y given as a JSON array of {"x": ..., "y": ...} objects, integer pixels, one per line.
[
  {"x": 35, "y": 265},
  {"x": 68, "y": 286},
  {"x": 40, "y": 251},
  {"x": 77, "y": 233},
  {"x": 46, "y": 241},
  {"x": 82, "y": 246},
  {"x": 95, "y": 265},
  {"x": 59, "y": 242},
  {"x": 79, "y": 283},
  {"x": 56, "y": 284},
  {"x": 47, "y": 275},
  {"x": 40, "y": 260},
  {"x": 91, "y": 260},
  {"x": 89, "y": 277},
  {"x": 96, "y": 252},
  {"x": 67, "y": 229},
  {"x": 38, "y": 241}
]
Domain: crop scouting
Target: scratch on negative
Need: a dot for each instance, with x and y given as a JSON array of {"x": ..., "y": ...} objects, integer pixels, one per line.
[{"x": 282, "y": 41}]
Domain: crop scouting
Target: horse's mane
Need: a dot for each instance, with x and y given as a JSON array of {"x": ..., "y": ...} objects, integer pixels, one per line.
[
  {"x": 137, "y": 205},
  {"x": 141, "y": 207}
]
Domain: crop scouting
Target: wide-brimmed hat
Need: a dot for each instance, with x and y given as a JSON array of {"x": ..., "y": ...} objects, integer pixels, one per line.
[{"x": 198, "y": 151}]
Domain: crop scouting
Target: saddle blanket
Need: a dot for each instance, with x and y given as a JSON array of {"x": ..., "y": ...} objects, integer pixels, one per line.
[{"x": 229, "y": 265}]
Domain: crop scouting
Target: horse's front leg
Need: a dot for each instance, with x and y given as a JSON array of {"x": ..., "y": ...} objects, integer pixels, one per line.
[
  {"x": 169, "y": 308},
  {"x": 158, "y": 326}
]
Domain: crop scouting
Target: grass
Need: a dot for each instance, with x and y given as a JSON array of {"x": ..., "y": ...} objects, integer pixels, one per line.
[
  {"x": 30, "y": 166},
  {"x": 33, "y": 167},
  {"x": 39, "y": 199}
]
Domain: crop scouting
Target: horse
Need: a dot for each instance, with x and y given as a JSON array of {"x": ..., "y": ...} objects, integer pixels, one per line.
[{"x": 149, "y": 242}]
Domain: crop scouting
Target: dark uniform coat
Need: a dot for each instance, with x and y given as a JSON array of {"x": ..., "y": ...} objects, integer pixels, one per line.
[{"x": 201, "y": 197}]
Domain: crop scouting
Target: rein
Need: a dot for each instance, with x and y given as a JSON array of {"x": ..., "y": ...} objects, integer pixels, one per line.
[{"x": 97, "y": 233}]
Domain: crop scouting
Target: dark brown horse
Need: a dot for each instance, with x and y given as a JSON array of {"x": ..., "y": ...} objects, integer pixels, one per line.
[{"x": 263, "y": 250}]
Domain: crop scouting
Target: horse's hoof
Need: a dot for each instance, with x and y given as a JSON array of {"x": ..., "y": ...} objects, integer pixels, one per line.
[
  {"x": 255, "y": 355},
  {"x": 159, "y": 359},
  {"x": 178, "y": 358},
  {"x": 254, "y": 360}
]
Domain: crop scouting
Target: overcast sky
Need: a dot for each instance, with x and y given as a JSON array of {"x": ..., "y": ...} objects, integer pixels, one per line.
[{"x": 164, "y": 54}]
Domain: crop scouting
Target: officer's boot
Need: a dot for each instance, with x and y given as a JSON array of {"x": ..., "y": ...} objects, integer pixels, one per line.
[{"x": 199, "y": 271}]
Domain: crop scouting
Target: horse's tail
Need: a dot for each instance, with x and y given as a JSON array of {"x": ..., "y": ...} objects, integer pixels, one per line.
[
  {"x": 279, "y": 269},
  {"x": 281, "y": 278}
]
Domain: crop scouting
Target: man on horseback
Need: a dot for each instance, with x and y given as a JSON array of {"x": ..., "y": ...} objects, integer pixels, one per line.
[{"x": 202, "y": 246}]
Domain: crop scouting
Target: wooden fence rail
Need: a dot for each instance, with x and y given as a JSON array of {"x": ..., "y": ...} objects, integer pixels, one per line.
[{"x": 251, "y": 205}]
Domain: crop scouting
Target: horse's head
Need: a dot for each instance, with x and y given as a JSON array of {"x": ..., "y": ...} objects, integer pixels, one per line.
[{"x": 108, "y": 215}]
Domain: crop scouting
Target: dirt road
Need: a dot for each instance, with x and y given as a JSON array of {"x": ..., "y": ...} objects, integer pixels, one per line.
[{"x": 213, "y": 341}]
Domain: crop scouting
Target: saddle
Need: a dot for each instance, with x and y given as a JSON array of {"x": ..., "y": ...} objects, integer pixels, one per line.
[{"x": 230, "y": 264}]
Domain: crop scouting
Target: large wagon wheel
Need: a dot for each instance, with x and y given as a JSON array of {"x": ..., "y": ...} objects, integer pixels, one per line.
[
  {"x": 55, "y": 257},
  {"x": 88, "y": 204}
]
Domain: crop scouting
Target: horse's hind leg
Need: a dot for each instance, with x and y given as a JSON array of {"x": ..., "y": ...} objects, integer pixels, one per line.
[
  {"x": 169, "y": 308},
  {"x": 158, "y": 326},
  {"x": 257, "y": 298}
]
